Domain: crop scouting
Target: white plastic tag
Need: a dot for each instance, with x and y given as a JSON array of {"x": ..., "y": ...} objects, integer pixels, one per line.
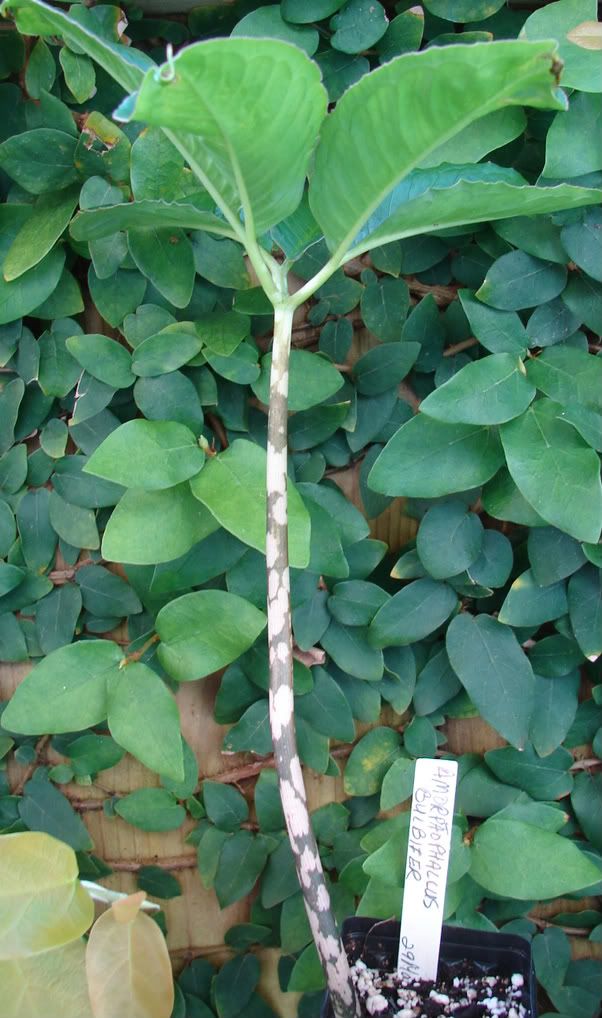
[{"x": 426, "y": 868}]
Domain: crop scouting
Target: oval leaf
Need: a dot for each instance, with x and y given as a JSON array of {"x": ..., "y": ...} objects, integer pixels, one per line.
[{"x": 128, "y": 968}]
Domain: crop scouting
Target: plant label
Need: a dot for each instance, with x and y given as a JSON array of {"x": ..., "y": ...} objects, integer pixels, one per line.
[{"x": 426, "y": 868}]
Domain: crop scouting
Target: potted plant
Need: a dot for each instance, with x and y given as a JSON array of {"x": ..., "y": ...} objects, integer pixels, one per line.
[{"x": 277, "y": 173}]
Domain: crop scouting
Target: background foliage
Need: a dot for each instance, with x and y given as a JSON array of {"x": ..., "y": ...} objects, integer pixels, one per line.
[{"x": 493, "y": 331}]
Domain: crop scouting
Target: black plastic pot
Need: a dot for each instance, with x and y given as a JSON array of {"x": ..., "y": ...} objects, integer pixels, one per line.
[{"x": 495, "y": 953}]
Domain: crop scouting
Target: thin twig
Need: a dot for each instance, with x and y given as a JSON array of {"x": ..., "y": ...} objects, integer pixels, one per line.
[
  {"x": 181, "y": 862},
  {"x": 465, "y": 344},
  {"x": 409, "y": 396},
  {"x": 60, "y": 576},
  {"x": 573, "y": 931},
  {"x": 586, "y": 765}
]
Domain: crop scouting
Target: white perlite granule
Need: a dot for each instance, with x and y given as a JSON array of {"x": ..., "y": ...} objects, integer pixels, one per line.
[{"x": 383, "y": 994}]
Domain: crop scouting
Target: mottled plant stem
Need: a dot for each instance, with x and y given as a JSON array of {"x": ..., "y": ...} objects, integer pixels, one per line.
[{"x": 282, "y": 717}]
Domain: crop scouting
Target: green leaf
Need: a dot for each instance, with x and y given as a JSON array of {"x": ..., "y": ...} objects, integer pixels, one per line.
[
  {"x": 43, "y": 905},
  {"x": 583, "y": 120},
  {"x": 449, "y": 539},
  {"x": 126, "y": 65},
  {"x": 234, "y": 985},
  {"x": 583, "y": 243},
  {"x": 197, "y": 635},
  {"x": 56, "y": 617},
  {"x": 151, "y": 809},
  {"x": 548, "y": 778},
  {"x": 165, "y": 257},
  {"x": 581, "y": 68},
  {"x": 585, "y": 610},
  {"x": 463, "y": 10},
  {"x": 158, "y": 882},
  {"x": 223, "y": 331},
  {"x": 498, "y": 331},
  {"x": 586, "y": 799},
  {"x": 103, "y": 358},
  {"x": 40, "y": 231},
  {"x": 118, "y": 295},
  {"x": 568, "y": 376},
  {"x": 252, "y": 732},
  {"x": 260, "y": 147},
  {"x": 384, "y": 305},
  {"x": 268, "y": 23},
  {"x": 528, "y": 604},
  {"x": 428, "y": 458},
  {"x": 35, "y": 285},
  {"x": 73, "y": 524},
  {"x": 582, "y": 295},
  {"x": 40, "y": 71},
  {"x": 225, "y": 805},
  {"x": 507, "y": 855},
  {"x": 349, "y": 648},
  {"x": 41, "y": 160},
  {"x": 554, "y": 711},
  {"x": 143, "y": 718},
  {"x": 492, "y": 76},
  {"x": 41, "y": 704},
  {"x": 133, "y": 535},
  {"x": 553, "y": 555},
  {"x": 502, "y": 500},
  {"x": 551, "y": 957},
  {"x": 456, "y": 198},
  {"x": 97, "y": 223},
  {"x": 168, "y": 350},
  {"x": 355, "y": 602},
  {"x": 398, "y": 783},
  {"x": 325, "y": 708},
  {"x": 79, "y": 73},
  {"x": 384, "y": 366},
  {"x": 312, "y": 379},
  {"x": 555, "y": 470},
  {"x": 481, "y": 137},
  {"x": 370, "y": 760},
  {"x": 413, "y": 613},
  {"x": 359, "y": 26},
  {"x": 241, "y": 862},
  {"x": 232, "y": 487},
  {"x": 495, "y": 672},
  {"x": 151, "y": 455},
  {"x": 518, "y": 280},
  {"x": 489, "y": 391},
  {"x": 44, "y": 808}
]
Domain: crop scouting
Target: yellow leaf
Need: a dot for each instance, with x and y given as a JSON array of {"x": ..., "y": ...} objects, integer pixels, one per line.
[
  {"x": 588, "y": 35},
  {"x": 128, "y": 968},
  {"x": 42, "y": 904},
  {"x": 127, "y": 909},
  {"x": 52, "y": 983}
]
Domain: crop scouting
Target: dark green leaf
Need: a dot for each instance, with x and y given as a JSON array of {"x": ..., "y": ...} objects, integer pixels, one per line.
[
  {"x": 555, "y": 470},
  {"x": 518, "y": 280},
  {"x": 143, "y": 718},
  {"x": 506, "y": 859},
  {"x": 158, "y": 882},
  {"x": 428, "y": 458},
  {"x": 151, "y": 809},
  {"x": 585, "y": 610},
  {"x": 197, "y": 636},
  {"x": 232, "y": 487},
  {"x": 495, "y": 672},
  {"x": 449, "y": 540},
  {"x": 413, "y": 613},
  {"x": 132, "y": 534},
  {"x": 44, "y": 808},
  {"x": 40, "y": 704},
  {"x": 528, "y": 604}
]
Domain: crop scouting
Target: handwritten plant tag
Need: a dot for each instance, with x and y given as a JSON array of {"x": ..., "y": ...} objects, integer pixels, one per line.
[{"x": 426, "y": 868}]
